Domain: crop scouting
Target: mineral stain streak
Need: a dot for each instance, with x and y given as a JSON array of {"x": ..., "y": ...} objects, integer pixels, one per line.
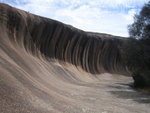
[{"x": 50, "y": 67}]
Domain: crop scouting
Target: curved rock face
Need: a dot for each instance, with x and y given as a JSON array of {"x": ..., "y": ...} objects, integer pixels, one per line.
[
  {"x": 93, "y": 52},
  {"x": 49, "y": 67}
]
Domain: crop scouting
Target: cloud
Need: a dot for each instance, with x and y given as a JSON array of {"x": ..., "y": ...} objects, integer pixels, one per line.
[{"x": 109, "y": 16}]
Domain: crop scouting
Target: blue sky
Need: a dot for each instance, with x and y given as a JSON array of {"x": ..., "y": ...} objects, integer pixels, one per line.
[{"x": 104, "y": 16}]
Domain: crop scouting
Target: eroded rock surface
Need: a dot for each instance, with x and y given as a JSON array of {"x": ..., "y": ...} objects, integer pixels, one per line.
[{"x": 49, "y": 67}]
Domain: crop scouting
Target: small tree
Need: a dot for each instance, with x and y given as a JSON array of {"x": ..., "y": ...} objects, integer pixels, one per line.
[
  {"x": 138, "y": 51},
  {"x": 140, "y": 29}
]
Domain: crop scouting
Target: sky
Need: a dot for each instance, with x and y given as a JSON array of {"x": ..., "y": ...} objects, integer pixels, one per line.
[{"x": 103, "y": 16}]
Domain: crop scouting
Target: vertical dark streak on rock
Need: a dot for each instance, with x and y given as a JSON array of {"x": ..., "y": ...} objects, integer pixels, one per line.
[{"x": 93, "y": 52}]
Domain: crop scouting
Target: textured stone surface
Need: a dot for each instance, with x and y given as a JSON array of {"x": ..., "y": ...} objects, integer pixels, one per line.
[{"x": 49, "y": 67}]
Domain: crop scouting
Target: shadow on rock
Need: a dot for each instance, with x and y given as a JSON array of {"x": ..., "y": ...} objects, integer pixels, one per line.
[{"x": 125, "y": 91}]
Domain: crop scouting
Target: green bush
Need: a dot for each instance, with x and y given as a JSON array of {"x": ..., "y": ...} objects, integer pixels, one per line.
[
  {"x": 137, "y": 50},
  {"x": 141, "y": 77}
]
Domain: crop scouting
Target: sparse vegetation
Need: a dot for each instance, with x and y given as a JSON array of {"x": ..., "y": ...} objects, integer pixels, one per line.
[{"x": 138, "y": 48}]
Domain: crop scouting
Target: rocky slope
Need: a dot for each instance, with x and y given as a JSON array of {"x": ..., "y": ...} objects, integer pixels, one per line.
[{"x": 50, "y": 67}]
